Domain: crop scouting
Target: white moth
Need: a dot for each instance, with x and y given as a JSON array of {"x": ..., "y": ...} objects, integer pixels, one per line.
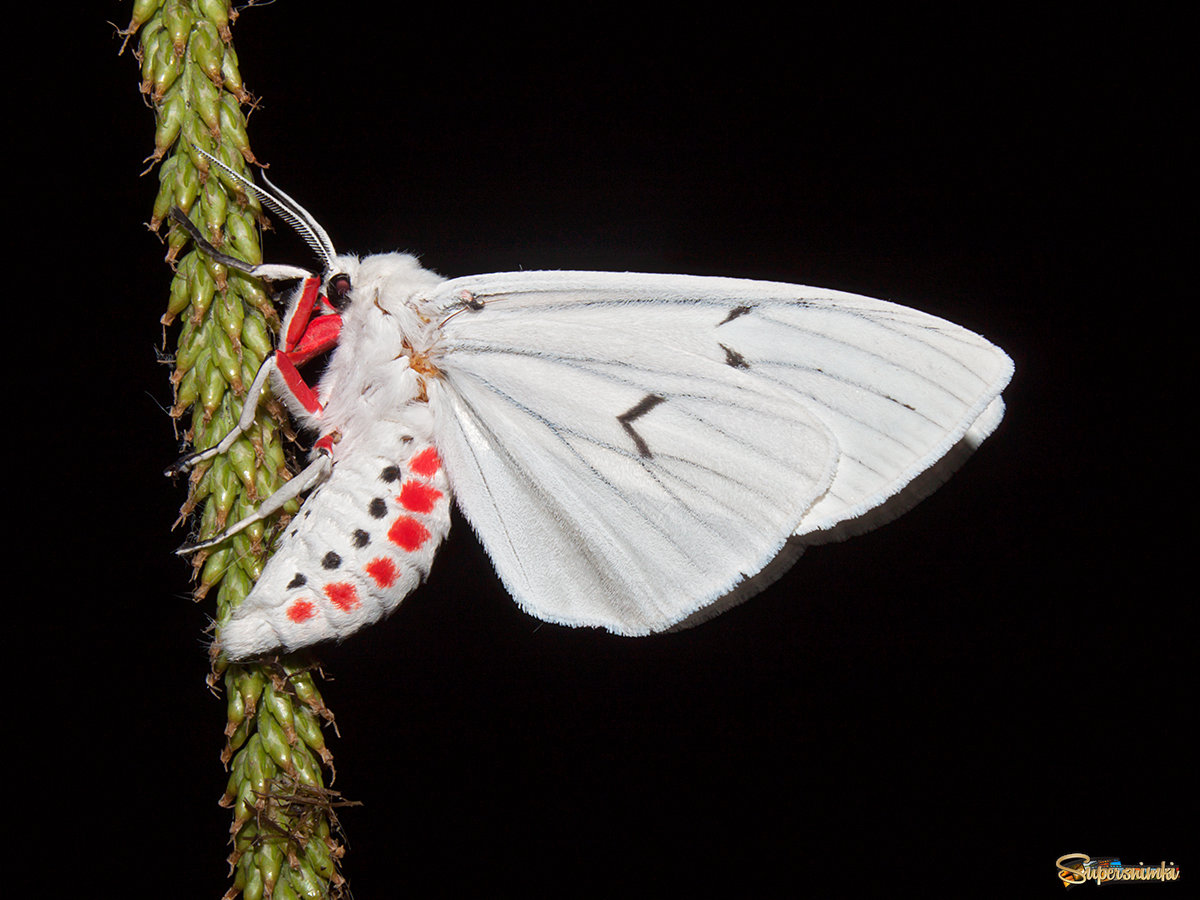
[{"x": 636, "y": 452}]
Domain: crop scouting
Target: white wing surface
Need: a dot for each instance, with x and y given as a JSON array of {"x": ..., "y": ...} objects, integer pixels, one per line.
[{"x": 631, "y": 447}]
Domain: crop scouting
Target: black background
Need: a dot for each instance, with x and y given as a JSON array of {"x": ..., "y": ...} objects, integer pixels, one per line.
[{"x": 952, "y": 702}]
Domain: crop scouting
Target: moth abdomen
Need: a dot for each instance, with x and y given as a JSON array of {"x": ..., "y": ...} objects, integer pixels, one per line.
[{"x": 366, "y": 541}]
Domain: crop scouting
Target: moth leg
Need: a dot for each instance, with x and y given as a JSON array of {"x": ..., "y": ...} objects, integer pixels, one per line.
[
  {"x": 249, "y": 413},
  {"x": 272, "y": 272},
  {"x": 314, "y": 473}
]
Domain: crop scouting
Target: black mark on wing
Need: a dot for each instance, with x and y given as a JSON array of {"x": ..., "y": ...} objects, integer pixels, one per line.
[
  {"x": 733, "y": 358},
  {"x": 626, "y": 419},
  {"x": 734, "y": 313}
]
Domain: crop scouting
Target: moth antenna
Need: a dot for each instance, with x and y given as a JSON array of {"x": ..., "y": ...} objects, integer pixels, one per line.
[{"x": 300, "y": 219}]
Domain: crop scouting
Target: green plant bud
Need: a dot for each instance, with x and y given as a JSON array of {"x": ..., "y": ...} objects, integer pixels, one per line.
[
  {"x": 199, "y": 139},
  {"x": 171, "y": 113},
  {"x": 235, "y": 711},
  {"x": 219, "y": 425},
  {"x": 305, "y": 882},
  {"x": 205, "y": 99},
  {"x": 215, "y": 204},
  {"x": 317, "y": 854},
  {"x": 259, "y": 767},
  {"x": 243, "y": 236},
  {"x": 186, "y": 393},
  {"x": 308, "y": 727},
  {"x": 165, "y": 198},
  {"x": 206, "y": 50},
  {"x": 212, "y": 389},
  {"x": 203, "y": 286},
  {"x": 253, "y": 888},
  {"x": 280, "y": 705},
  {"x": 232, "y": 75},
  {"x": 274, "y": 740},
  {"x": 255, "y": 336},
  {"x": 178, "y": 20},
  {"x": 270, "y": 860},
  {"x": 226, "y": 358},
  {"x": 249, "y": 683},
  {"x": 252, "y": 563},
  {"x": 231, "y": 313},
  {"x": 153, "y": 36},
  {"x": 305, "y": 767},
  {"x": 167, "y": 67},
  {"x": 208, "y": 516},
  {"x": 192, "y": 343},
  {"x": 246, "y": 551},
  {"x": 142, "y": 10},
  {"x": 283, "y": 891},
  {"x": 217, "y": 12},
  {"x": 240, "y": 735},
  {"x": 237, "y": 775},
  {"x": 241, "y": 460},
  {"x": 233, "y": 126},
  {"x": 306, "y": 690},
  {"x": 215, "y": 566},
  {"x": 255, "y": 297},
  {"x": 273, "y": 462},
  {"x": 250, "y": 364},
  {"x": 187, "y": 182},
  {"x": 179, "y": 300},
  {"x": 234, "y": 589}
]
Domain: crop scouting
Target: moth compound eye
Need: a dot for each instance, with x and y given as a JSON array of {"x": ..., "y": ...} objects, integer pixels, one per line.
[{"x": 339, "y": 291}]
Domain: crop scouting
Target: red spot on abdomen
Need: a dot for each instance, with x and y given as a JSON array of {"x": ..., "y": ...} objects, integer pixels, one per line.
[
  {"x": 300, "y": 611},
  {"x": 418, "y": 497},
  {"x": 408, "y": 533},
  {"x": 425, "y": 463},
  {"x": 343, "y": 595},
  {"x": 382, "y": 571}
]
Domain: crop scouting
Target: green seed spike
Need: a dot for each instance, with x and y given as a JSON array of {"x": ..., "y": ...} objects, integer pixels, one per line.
[{"x": 191, "y": 73}]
